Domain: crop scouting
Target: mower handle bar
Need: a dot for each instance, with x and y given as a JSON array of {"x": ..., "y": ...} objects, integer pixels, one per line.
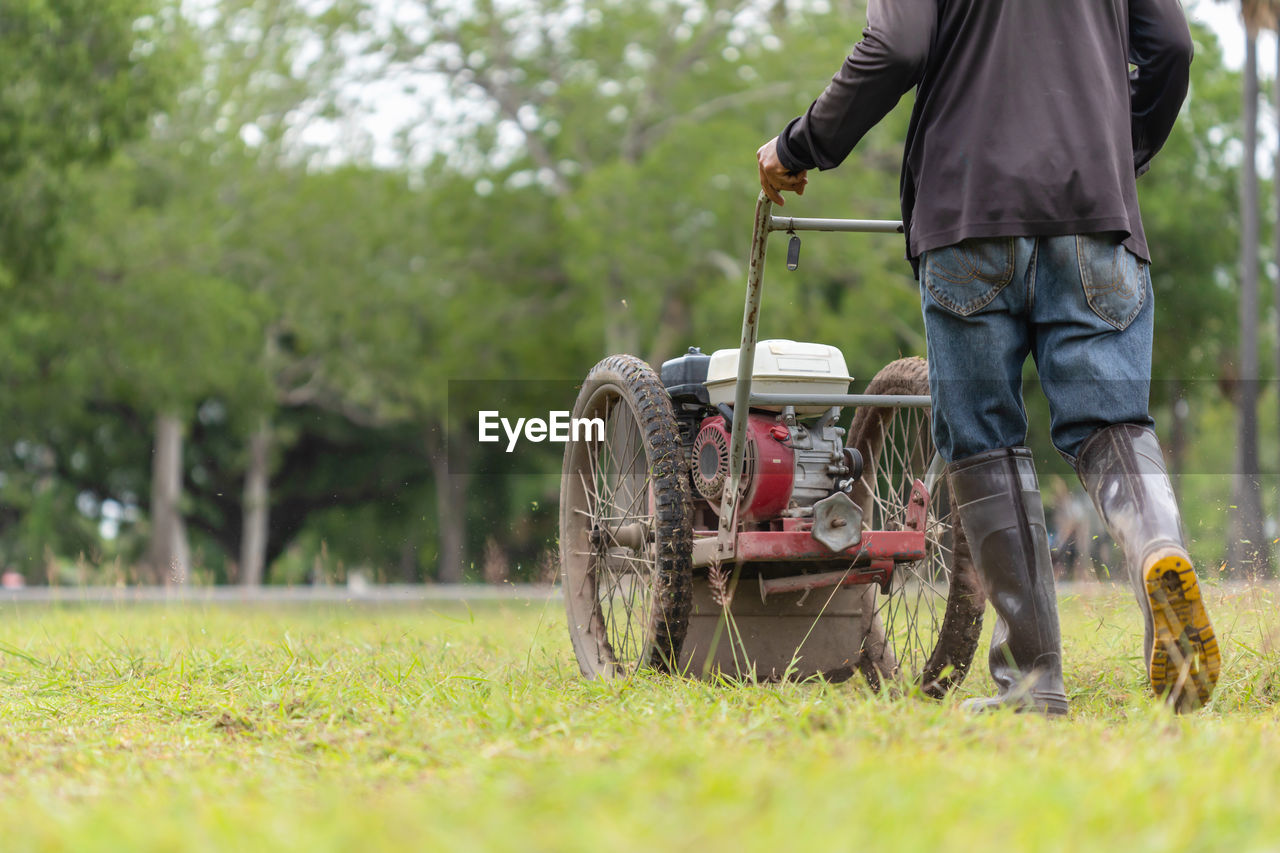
[
  {"x": 765, "y": 224},
  {"x": 859, "y": 226}
]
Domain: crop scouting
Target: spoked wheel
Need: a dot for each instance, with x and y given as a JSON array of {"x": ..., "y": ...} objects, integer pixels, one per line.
[
  {"x": 626, "y": 524},
  {"x": 925, "y": 631}
]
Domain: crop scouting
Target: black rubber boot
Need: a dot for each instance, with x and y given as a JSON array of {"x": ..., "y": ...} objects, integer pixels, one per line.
[
  {"x": 998, "y": 501},
  {"x": 1123, "y": 470}
]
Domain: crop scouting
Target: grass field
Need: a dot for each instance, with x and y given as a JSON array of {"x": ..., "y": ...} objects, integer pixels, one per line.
[{"x": 365, "y": 729}]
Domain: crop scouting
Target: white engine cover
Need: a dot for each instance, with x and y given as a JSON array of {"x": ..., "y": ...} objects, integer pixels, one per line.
[{"x": 781, "y": 367}]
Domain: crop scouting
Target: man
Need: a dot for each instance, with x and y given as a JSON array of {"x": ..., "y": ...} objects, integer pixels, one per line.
[{"x": 1021, "y": 214}]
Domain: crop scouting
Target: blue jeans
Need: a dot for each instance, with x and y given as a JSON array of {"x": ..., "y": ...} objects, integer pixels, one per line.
[{"x": 1080, "y": 305}]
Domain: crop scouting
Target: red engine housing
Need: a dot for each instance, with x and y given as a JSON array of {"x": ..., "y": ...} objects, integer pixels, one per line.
[{"x": 768, "y": 471}]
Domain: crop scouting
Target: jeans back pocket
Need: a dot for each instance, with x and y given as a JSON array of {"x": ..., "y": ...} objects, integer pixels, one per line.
[
  {"x": 965, "y": 277},
  {"x": 1114, "y": 279}
]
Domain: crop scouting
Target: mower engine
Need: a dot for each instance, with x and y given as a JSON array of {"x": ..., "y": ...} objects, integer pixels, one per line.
[{"x": 795, "y": 457}]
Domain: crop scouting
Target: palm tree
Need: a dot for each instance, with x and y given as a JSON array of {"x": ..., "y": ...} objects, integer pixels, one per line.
[
  {"x": 1248, "y": 548},
  {"x": 1271, "y": 14}
]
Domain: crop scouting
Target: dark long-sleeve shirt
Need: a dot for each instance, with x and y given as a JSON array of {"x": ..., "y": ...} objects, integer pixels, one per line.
[{"x": 1027, "y": 120}]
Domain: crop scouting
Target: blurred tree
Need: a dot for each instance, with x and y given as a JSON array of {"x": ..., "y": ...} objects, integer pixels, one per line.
[
  {"x": 637, "y": 125},
  {"x": 321, "y": 336},
  {"x": 179, "y": 232},
  {"x": 1193, "y": 266},
  {"x": 1249, "y": 551},
  {"x": 274, "y": 68},
  {"x": 82, "y": 78},
  {"x": 640, "y": 122}
]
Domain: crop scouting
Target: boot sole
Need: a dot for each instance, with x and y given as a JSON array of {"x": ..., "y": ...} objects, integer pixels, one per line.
[{"x": 1185, "y": 661}]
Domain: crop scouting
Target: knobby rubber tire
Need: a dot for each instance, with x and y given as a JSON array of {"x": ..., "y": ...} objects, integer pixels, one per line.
[
  {"x": 951, "y": 644},
  {"x": 626, "y": 386}
]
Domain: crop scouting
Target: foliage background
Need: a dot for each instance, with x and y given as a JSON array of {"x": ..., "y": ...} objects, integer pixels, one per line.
[{"x": 197, "y": 227}]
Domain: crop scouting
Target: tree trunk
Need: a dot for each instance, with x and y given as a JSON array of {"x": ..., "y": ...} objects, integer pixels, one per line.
[
  {"x": 449, "y": 474},
  {"x": 256, "y": 509},
  {"x": 1248, "y": 549},
  {"x": 1181, "y": 411},
  {"x": 1275, "y": 87},
  {"x": 169, "y": 554},
  {"x": 409, "y": 560}
]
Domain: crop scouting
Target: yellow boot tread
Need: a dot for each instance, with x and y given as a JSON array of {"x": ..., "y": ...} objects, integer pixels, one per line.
[{"x": 1185, "y": 660}]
